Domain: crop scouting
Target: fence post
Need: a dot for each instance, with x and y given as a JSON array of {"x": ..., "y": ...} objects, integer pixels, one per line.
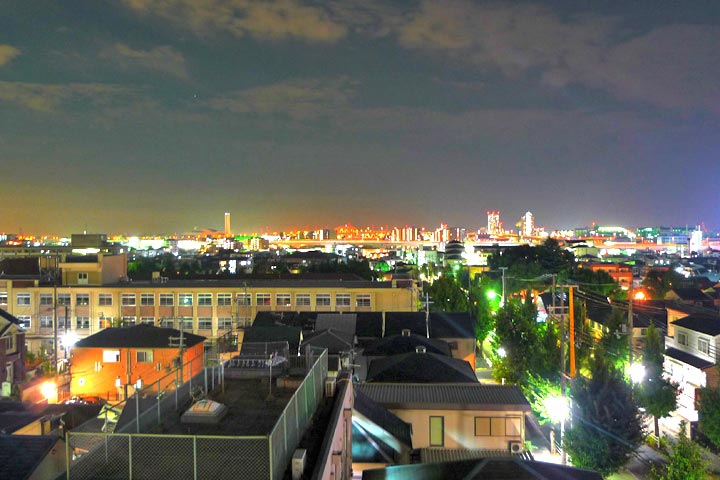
[
  {"x": 130, "y": 456},
  {"x": 67, "y": 455},
  {"x": 195, "y": 460},
  {"x": 270, "y": 449},
  {"x": 205, "y": 370},
  {"x": 137, "y": 413},
  {"x": 158, "y": 403}
]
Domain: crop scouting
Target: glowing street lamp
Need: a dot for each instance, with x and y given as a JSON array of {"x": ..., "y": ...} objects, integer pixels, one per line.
[
  {"x": 49, "y": 390},
  {"x": 637, "y": 372},
  {"x": 558, "y": 410},
  {"x": 502, "y": 353}
]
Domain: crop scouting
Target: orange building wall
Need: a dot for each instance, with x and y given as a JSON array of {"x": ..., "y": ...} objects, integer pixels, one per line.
[{"x": 87, "y": 381}]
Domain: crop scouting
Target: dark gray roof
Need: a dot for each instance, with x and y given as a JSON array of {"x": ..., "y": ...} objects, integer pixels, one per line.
[
  {"x": 466, "y": 396},
  {"x": 336, "y": 321},
  {"x": 700, "y": 323},
  {"x": 420, "y": 368},
  {"x": 10, "y": 318},
  {"x": 442, "y": 324},
  {"x": 688, "y": 358},
  {"x": 369, "y": 324},
  {"x": 690, "y": 294},
  {"x": 333, "y": 340},
  {"x": 279, "y": 333},
  {"x": 139, "y": 336},
  {"x": 20, "y": 455},
  {"x": 383, "y": 418},
  {"x": 397, "y": 344},
  {"x": 509, "y": 468}
]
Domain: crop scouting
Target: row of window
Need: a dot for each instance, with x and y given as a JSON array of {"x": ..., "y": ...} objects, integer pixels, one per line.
[
  {"x": 203, "y": 299},
  {"x": 703, "y": 345},
  {"x": 46, "y": 322},
  {"x": 484, "y": 427}
]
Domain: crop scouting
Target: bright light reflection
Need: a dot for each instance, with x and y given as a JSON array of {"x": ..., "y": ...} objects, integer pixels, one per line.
[
  {"x": 502, "y": 353},
  {"x": 557, "y": 408},
  {"x": 637, "y": 372},
  {"x": 49, "y": 391}
]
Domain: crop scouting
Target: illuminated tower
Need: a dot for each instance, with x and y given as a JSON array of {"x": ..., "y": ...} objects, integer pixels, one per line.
[
  {"x": 527, "y": 224},
  {"x": 227, "y": 224},
  {"x": 494, "y": 226}
]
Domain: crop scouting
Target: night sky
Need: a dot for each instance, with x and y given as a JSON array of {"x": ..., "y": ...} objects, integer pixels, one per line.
[{"x": 157, "y": 116}]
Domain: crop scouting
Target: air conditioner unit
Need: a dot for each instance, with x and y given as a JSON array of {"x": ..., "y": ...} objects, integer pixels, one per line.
[
  {"x": 515, "y": 446},
  {"x": 330, "y": 383},
  {"x": 298, "y": 463}
]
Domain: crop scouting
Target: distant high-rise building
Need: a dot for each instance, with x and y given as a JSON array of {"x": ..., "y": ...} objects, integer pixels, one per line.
[
  {"x": 227, "y": 224},
  {"x": 527, "y": 224},
  {"x": 494, "y": 226}
]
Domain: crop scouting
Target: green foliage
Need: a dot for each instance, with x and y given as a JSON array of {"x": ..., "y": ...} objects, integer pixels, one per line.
[
  {"x": 657, "y": 394},
  {"x": 709, "y": 411},
  {"x": 599, "y": 282},
  {"x": 614, "y": 342},
  {"x": 658, "y": 282},
  {"x": 482, "y": 310},
  {"x": 447, "y": 295},
  {"x": 537, "y": 389},
  {"x": 685, "y": 461},
  {"x": 531, "y": 348},
  {"x": 607, "y": 424}
]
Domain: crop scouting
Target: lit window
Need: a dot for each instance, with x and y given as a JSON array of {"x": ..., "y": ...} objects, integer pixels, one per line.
[
  {"x": 205, "y": 299},
  {"x": 322, "y": 300},
  {"x": 127, "y": 299},
  {"x": 3, "y": 298},
  {"x": 282, "y": 300},
  {"x": 166, "y": 300},
  {"x": 111, "y": 356},
  {"x": 224, "y": 299},
  {"x": 147, "y": 299},
  {"x": 83, "y": 278},
  {"x": 302, "y": 299},
  {"x": 23, "y": 299},
  {"x": 185, "y": 299},
  {"x": 437, "y": 431},
  {"x": 342, "y": 300}
]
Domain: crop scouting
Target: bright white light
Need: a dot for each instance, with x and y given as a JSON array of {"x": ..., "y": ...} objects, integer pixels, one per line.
[
  {"x": 49, "y": 391},
  {"x": 557, "y": 408},
  {"x": 501, "y": 352},
  {"x": 637, "y": 372},
  {"x": 69, "y": 339}
]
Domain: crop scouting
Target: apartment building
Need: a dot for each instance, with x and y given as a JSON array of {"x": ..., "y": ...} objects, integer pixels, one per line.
[{"x": 94, "y": 293}]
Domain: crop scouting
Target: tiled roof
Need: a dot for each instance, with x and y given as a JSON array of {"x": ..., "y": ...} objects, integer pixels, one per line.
[
  {"x": 700, "y": 323},
  {"x": 139, "y": 336},
  {"x": 383, "y": 417},
  {"x": 240, "y": 283},
  {"x": 280, "y": 333},
  {"x": 690, "y": 294},
  {"x": 336, "y": 321},
  {"x": 420, "y": 368},
  {"x": 20, "y": 455},
  {"x": 369, "y": 324},
  {"x": 449, "y": 395},
  {"x": 442, "y": 324},
  {"x": 335, "y": 341},
  {"x": 396, "y": 344},
  {"x": 688, "y": 358}
]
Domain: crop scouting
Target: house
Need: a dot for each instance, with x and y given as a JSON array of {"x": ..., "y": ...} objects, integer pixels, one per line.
[
  {"x": 12, "y": 353},
  {"x": 113, "y": 362},
  {"x": 31, "y": 457},
  {"x": 420, "y": 367},
  {"x": 691, "y": 358},
  {"x": 689, "y": 296},
  {"x": 620, "y": 272},
  {"x": 339, "y": 344},
  {"x": 456, "y": 416}
]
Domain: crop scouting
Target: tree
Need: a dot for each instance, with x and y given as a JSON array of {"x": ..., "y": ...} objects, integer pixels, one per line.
[
  {"x": 482, "y": 311},
  {"x": 656, "y": 393},
  {"x": 607, "y": 424},
  {"x": 685, "y": 462},
  {"x": 709, "y": 412},
  {"x": 447, "y": 295},
  {"x": 614, "y": 342},
  {"x": 599, "y": 282}
]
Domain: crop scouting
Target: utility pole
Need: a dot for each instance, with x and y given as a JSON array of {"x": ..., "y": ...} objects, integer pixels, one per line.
[
  {"x": 562, "y": 369},
  {"x": 55, "y": 318},
  {"x": 503, "y": 284},
  {"x": 571, "y": 308},
  {"x": 630, "y": 323}
]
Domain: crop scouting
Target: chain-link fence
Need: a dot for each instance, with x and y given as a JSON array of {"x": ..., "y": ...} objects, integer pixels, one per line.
[{"x": 99, "y": 449}]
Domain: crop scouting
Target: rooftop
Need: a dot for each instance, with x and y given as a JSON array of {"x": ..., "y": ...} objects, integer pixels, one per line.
[
  {"x": 700, "y": 323},
  {"x": 139, "y": 336}
]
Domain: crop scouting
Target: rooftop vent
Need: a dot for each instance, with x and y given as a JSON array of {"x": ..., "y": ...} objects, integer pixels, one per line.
[
  {"x": 419, "y": 349},
  {"x": 406, "y": 332}
]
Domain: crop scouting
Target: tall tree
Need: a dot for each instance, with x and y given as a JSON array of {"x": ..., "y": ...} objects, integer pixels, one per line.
[
  {"x": 447, "y": 295},
  {"x": 656, "y": 393},
  {"x": 607, "y": 425}
]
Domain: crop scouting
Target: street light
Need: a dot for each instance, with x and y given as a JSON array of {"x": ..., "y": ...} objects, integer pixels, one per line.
[
  {"x": 637, "y": 372},
  {"x": 558, "y": 410}
]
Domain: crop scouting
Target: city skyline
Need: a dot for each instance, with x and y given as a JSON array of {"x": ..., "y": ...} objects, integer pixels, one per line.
[{"x": 159, "y": 116}]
